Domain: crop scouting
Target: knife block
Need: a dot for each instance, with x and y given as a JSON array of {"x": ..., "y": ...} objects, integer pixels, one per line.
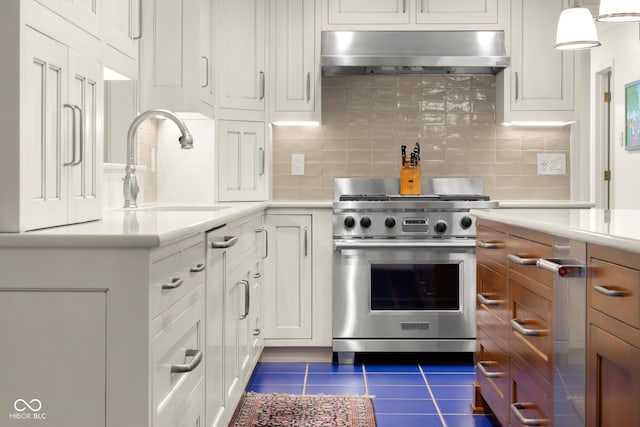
[{"x": 410, "y": 179}]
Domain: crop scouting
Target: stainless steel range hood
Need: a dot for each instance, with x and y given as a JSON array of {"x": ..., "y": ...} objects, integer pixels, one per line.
[{"x": 413, "y": 52}]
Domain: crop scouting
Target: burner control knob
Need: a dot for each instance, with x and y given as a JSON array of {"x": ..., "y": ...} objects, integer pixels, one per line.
[
  {"x": 349, "y": 222},
  {"x": 365, "y": 222},
  {"x": 440, "y": 227},
  {"x": 466, "y": 222},
  {"x": 390, "y": 222}
]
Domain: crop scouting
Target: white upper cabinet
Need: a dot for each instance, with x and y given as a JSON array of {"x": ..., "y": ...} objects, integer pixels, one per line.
[
  {"x": 369, "y": 11},
  {"x": 241, "y": 161},
  {"x": 175, "y": 56},
  {"x": 242, "y": 43},
  {"x": 121, "y": 28},
  {"x": 83, "y": 13},
  {"x": 414, "y": 14},
  {"x": 458, "y": 12},
  {"x": 295, "y": 52},
  {"x": 539, "y": 84}
]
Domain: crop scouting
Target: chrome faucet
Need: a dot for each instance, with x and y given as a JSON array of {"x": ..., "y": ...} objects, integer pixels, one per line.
[{"x": 130, "y": 186}]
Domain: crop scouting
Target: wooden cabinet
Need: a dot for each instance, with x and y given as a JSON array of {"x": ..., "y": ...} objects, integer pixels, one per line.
[
  {"x": 416, "y": 14},
  {"x": 539, "y": 84},
  {"x": 241, "y": 37},
  {"x": 288, "y": 304},
  {"x": 121, "y": 27},
  {"x": 175, "y": 56},
  {"x": 297, "y": 278},
  {"x": 613, "y": 346},
  {"x": 242, "y": 162},
  {"x": 295, "y": 66}
]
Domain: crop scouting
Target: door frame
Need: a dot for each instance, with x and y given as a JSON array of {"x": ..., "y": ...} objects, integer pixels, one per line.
[{"x": 603, "y": 138}]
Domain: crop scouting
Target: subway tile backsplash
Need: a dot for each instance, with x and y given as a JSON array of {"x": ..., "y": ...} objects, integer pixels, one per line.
[{"x": 367, "y": 118}]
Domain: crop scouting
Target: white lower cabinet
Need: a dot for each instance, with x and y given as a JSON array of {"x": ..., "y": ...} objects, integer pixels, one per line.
[
  {"x": 297, "y": 285},
  {"x": 242, "y": 163}
]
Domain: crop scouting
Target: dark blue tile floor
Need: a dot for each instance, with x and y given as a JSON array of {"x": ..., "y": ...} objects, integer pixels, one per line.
[{"x": 404, "y": 394}]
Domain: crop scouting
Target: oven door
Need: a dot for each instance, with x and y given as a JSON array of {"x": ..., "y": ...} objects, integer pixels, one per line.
[{"x": 388, "y": 289}]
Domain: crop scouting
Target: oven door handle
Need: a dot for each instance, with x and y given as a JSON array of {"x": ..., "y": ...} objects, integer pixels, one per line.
[{"x": 389, "y": 244}]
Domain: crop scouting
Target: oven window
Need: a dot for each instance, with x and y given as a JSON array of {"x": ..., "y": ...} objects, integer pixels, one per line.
[{"x": 415, "y": 287}]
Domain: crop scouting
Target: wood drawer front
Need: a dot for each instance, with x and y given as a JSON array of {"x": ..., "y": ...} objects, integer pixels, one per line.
[
  {"x": 533, "y": 401},
  {"x": 175, "y": 273},
  {"x": 169, "y": 349},
  {"x": 536, "y": 312},
  {"x": 493, "y": 386},
  {"x": 492, "y": 247},
  {"x": 613, "y": 380},
  {"x": 493, "y": 304},
  {"x": 528, "y": 249},
  {"x": 622, "y": 284}
]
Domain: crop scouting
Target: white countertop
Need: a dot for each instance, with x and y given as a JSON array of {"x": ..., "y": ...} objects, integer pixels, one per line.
[
  {"x": 618, "y": 228},
  {"x": 134, "y": 227}
]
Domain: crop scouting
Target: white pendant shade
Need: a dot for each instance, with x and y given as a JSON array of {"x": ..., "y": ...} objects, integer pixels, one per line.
[
  {"x": 619, "y": 11},
  {"x": 576, "y": 30}
]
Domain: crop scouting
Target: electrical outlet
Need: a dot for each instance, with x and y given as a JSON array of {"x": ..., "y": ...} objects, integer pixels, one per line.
[
  {"x": 552, "y": 164},
  {"x": 297, "y": 164}
]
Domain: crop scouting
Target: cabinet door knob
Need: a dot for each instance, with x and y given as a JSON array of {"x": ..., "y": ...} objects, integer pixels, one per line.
[
  {"x": 176, "y": 282},
  {"x": 188, "y": 367}
]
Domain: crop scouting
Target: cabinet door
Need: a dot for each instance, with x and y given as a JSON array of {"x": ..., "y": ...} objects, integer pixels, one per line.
[
  {"x": 43, "y": 193},
  {"x": 121, "y": 25},
  {"x": 457, "y": 12},
  {"x": 369, "y": 11},
  {"x": 206, "y": 52},
  {"x": 541, "y": 76},
  {"x": 53, "y": 358},
  {"x": 613, "y": 380},
  {"x": 255, "y": 312},
  {"x": 85, "y": 176},
  {"x": 287, "y": 298},
  {"x": 242, "y": 44},
  {"x": 83, "y": 13},
  {"x": 295, "y": 70},
  {"x": 241, "y": 161}
]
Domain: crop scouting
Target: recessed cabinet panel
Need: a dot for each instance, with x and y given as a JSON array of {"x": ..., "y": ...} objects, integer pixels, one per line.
[
  {"x": 53, "y": 341},
  {"x": 167, "y": 30},
  {"x": 369, "y": 11},
  {"x": 83, "y": 13},
  {"x": 457, "y": 11}
]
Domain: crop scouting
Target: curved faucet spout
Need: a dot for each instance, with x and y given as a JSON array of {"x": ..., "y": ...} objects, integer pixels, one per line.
[{"x": 131, "y": 188}]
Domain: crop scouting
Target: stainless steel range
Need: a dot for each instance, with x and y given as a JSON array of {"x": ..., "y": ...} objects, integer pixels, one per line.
[{"x": 404, "y": 266}]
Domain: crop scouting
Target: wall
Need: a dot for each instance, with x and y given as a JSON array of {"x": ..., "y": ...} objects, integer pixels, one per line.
[
  {"x": 620, "y": 51},
  {"x": 367, "y": 118}
]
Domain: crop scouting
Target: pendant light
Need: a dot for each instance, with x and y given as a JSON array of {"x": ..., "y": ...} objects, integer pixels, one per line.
[
  {"x": 576, "y": 29},
  {"x": 619, "y": 11}
]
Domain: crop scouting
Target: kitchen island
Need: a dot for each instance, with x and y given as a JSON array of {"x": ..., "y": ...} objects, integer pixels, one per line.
[{"x": 533, "y": 321}]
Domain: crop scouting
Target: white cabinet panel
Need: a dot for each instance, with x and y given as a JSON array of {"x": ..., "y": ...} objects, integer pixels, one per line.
[
  {"x": 83, "y": 13},
  {"x": 369, "y": 11},
  {"x": 241, "y": 161},
  {"x": 55, "y": 340},
  {"x": 457, "y": 11},
  {"x": 242, "y": 40},
  {"x": 295, "y": 67},
  {"x": 288, "y": 285}
]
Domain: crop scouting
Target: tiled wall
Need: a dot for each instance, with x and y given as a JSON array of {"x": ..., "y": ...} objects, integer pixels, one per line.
[{"x": 367, "y": 118}]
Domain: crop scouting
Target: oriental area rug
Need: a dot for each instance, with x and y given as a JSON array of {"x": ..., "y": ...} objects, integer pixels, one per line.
[{"x": 287, "y": 410}]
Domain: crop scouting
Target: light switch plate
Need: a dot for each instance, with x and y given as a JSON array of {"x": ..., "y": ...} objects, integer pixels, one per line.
[
  {"x": 552, "y": 164},
  {"x": 297, "y": 164}
]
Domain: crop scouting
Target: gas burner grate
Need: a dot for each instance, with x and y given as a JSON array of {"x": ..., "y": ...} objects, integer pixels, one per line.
[{"x": 364, "y": 198}]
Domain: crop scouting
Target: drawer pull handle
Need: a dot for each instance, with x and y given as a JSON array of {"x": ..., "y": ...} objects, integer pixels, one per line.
[
  {"x": 197, "y": 269},
  {"x": 176, "y": 282},
  {"x": 188, "y": 367},
  {"x": 226, "y": 243},
  {"x": 517, "y": 259},
  {"x": 266, "y": 241},
  {"x": 515, "y": 409},
  {"x": 519, "y": 326},
  {"x": 256, "y": 332},
  {"x": 482, "y": 367},
  {"x": 257, "y": 276},
  {"x": 488, "y": 245},
  {"x": 484, "y": 298},
  {"x": 602, "y": 289},
  {"x": 561, "y": 267}
]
